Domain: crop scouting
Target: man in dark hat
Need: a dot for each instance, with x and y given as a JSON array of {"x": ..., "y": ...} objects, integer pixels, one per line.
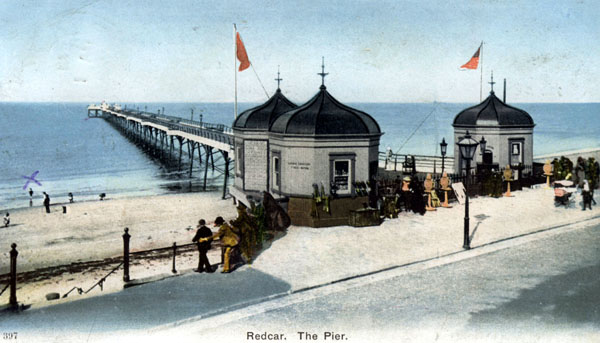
[
  {"x": 229, "y": 240},
  {"x": 203, "y": 232}
]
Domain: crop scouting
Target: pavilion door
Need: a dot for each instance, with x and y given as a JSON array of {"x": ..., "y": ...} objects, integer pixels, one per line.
[{"x": 488, "y": 157}]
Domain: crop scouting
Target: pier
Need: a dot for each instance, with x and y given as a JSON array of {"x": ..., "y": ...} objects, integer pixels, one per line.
[{"x": 165, "y": 137}]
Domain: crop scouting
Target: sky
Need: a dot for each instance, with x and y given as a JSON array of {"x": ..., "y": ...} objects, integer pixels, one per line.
[{"x": 375, "y": 51}]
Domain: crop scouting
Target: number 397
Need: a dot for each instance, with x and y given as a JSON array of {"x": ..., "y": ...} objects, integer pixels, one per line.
[{"x": 9, "y": 335}]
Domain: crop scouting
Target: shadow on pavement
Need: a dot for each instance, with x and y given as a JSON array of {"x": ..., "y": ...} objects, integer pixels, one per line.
[
  {"x": 566, "y": 300},
  {"x": 149, "y": 305}
]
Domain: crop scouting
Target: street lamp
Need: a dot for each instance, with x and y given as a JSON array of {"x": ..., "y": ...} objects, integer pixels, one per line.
[
  {"x": 467, "y": 147},
  {"x": 482, "y": 144},
  {"x": 443, "y": 146}
]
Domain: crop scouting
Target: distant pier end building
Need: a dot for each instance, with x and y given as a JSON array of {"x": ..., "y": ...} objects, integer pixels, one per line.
[
  {"x": 286, "y": 149},
  {"x": 508, "y": 131}
]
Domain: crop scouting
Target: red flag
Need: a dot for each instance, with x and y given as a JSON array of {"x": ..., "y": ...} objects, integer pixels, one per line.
[
  {"x": 473, "y": 62},
  {"x": 242, "y": 56}
]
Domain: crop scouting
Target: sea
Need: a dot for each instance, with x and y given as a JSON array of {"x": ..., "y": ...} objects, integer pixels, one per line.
[{"x": 86, "y": 156}]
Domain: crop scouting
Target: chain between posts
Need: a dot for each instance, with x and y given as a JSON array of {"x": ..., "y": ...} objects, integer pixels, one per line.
[
  {"x": 79, "y": 290},
  {"x": 5, "y": 288},
  {"x": 99, "y": 283}
]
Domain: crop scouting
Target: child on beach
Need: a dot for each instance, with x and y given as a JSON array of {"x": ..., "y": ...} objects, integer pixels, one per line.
[{"x": 6, "y": 219}]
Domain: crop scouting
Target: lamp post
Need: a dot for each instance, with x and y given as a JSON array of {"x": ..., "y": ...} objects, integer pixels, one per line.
[
  {"x": 467, "y": 147},
  {"x": 443, "y": 147},
  {"x": 482, "y": 144}
]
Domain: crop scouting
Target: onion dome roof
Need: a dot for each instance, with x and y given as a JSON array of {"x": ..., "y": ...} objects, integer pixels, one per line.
[
  {"x": 324, "y": 115},
  {"x": 493, "y": 112},
  {"x": 261, "y": 117}
]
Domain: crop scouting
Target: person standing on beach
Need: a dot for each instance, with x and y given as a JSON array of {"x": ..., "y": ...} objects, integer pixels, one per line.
[
  {"x": 203, "y": 247},
  {"x": 47, "y": 202},
  {"x": 6, "y": 219},
  {"x": 30, "y": 194}
]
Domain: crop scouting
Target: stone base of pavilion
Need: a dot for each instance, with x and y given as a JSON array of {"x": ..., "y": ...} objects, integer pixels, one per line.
[{"x": 302, "y": 213}]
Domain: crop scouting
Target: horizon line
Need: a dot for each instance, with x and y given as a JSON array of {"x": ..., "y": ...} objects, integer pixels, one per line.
[{"x": 260, "y": 102}]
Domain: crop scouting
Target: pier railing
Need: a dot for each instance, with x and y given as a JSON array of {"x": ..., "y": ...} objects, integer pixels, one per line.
[
  {"x": 217, "y": 132},
  {"x": 418, "y": 163},
  {"x": 211, "y": 134},
  {"x": 157, "y": 118}
]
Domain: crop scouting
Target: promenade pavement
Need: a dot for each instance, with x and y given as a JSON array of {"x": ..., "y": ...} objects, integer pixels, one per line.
[{"x": 302, "y": 259}]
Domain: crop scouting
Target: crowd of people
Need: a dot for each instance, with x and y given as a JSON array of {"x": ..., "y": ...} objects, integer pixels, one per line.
[{"x": 406, "y": 194}]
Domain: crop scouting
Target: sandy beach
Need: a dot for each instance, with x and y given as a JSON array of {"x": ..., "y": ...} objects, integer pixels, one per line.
[{"x": 93, "y": 230}]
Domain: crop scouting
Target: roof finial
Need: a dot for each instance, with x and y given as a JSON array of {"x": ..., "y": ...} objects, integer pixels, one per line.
[
  {"x": 278, "y": 79},
  {"x": 323, "y": 73},
  {"x": 492, "y": 83}
]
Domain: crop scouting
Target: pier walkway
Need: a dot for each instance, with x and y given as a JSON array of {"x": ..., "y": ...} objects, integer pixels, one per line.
[
  {"x": 166, "y": 136},
  {"x": 571, "y": 154}
]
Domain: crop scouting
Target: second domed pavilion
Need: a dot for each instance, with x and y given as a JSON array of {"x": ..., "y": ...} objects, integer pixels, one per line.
[{"x": 508, "y": 132}]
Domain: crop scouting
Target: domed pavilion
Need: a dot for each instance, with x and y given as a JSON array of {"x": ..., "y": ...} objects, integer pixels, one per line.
[
  {"x": 251, "y": 131},
  {"x": 323, "y": 142},
  {"x": 286, "y": 150},
  {"x": 507, "y": 130}
]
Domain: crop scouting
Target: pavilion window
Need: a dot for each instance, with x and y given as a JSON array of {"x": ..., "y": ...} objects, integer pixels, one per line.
[
  {"x": 516, "y": 149},
  {"x": 276, "y": 173},
  {"x": 239, "y": 161},
  {"x": 341, "y": 175}
]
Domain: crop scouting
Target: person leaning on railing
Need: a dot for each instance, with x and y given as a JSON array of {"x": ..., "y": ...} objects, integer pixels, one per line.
[{"x": 229, "y": 239}]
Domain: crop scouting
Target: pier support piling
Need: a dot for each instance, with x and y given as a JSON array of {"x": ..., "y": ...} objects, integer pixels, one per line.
[
  {"x": 191, "y": 147},
  {"x": 226, "y": 172},
  {"x": 180, "y": 139},
  {"x": 208, "y": 150}
]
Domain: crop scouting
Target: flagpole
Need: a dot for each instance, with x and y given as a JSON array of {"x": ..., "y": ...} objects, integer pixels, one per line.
[
  {"x": 235, "y": 111},
  {"x": 481, "y": 77}
]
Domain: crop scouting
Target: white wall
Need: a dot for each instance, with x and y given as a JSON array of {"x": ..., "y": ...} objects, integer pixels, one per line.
[
  {"x": 305, "y": 161},
  {"x": 498, "y": 142}
]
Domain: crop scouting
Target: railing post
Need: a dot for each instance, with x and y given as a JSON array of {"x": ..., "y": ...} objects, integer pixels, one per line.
[
  {"x": 126, "y": 237},
  {"x": 13, "y": 276},
  {"x": 174, "y": 254}
]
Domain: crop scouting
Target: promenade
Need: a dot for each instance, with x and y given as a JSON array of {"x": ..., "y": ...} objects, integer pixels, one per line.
[{"x": 302, "y": 259}]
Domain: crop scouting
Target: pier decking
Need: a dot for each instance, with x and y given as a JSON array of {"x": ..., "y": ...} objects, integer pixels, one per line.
[{"x": 164, "y": 135}]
